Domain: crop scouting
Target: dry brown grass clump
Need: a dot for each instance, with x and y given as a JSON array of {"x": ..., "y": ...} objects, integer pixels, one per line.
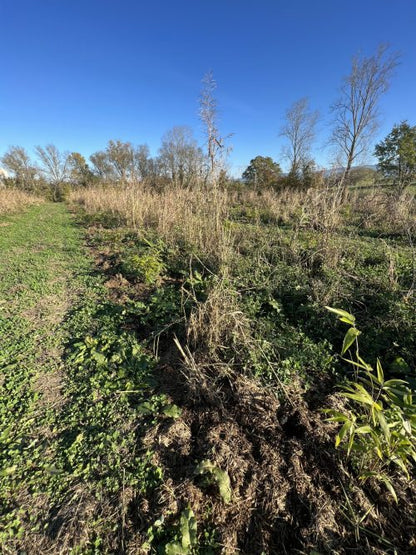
[
  {"x": 382, "y": 209},
  {"x": 13, "y": 200},
  {"x": 179, "y": 216}
]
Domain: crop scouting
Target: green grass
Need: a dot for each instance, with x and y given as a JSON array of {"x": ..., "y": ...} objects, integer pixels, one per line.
[{"x": 69, "y": 429}]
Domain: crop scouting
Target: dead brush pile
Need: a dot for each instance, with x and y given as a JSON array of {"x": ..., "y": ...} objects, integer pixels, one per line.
[
  {"x": 290, "y": 491},
  {"x": 13, "y": 200}
]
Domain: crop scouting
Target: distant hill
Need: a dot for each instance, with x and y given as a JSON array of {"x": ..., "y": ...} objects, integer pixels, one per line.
[{"x": 341, "y": 169}]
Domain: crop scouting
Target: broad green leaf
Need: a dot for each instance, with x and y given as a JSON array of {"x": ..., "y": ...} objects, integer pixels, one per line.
[
  {"x": 363, "y": 430},
  {"x": 380, "y": 373},
  {"x": 363, "y": 390},
  {"x": 349, "y": 339},
  {"x": 358, "y": 365},
  {"x": 407, "y": 427},
  {"x": 398, "y": 462},
  {"x": 224, "y": 485},
  {"x": 341, "y": 418},
  {"x": 341, "y": 434},
  {"x": 334, "y": 415},
  {"x": 184, "y": 530},
  {"x": 351, "y": 441},
  {"x": 365, "y": 364},
  {"x": 395, "y": 383},
  {"x": 188, "y": 534},
  {"x": 344, "y": 316},
  {"x": 384, "y": 426},
  {"x": 188, "y": 529},
  {"x": 361, "y": 399},
  {"x": 220, "y": 477},
  {"x": 389, "y": 486}
]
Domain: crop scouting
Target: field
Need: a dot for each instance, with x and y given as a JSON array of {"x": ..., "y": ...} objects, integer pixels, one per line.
[{"x": 167, "y": 359}]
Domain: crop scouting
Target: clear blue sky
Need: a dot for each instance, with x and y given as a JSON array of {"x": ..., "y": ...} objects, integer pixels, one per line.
[{"x": 80, "y": 72}]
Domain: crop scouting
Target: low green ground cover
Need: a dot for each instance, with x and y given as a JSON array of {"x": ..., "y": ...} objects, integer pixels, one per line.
[{"x": 77, "y": 393}]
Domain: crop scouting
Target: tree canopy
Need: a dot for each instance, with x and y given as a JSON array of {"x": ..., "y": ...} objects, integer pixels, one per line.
[
  {"x": 17, "y": 161},
  {"x": 262, "y": 172},
  {"x": 299, "y": 131},
  {"x": 397, "y": 155}
]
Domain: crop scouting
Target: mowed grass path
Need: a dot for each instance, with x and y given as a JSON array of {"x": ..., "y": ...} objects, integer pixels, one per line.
[
  {"x": 40, "y": 258},
  {"x": 41, "y": 263},
  {"x": 68, "y": 429}
]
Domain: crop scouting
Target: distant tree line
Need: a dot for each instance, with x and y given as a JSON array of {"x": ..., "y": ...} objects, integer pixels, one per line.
[
  {"x": 182, "y": 162},
  {"x": 355, "y": 121}
]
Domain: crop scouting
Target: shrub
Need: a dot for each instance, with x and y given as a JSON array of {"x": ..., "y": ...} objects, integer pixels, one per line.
[
  {"x": 379, "y": 427},
  {"x": 147, "y": 267}
]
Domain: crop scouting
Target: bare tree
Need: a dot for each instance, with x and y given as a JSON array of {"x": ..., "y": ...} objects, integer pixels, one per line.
[
  {"x": 122, "y": 162},
  {"x": 121, "y": 157},
  {"x": 356, "y": 110},
  {"x": 299, "y": 130},
  {"x": 143, "y": 166},
  {"x": 180, "y": 157},
  {"x": 18, "y": 162},
  {"x": 54, "y": 163},
  {"x": 54, "y": 166},
  {"x": 208, "y": 112},
  {"x": 102, "y": 166}
]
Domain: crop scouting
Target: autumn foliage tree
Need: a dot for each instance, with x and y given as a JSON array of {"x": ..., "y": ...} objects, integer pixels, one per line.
[
  {"x": 80, "y": 173},
  {"x": 18, "y": 162}
]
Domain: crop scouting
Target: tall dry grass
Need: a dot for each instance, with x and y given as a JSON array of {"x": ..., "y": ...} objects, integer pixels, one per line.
[
  {"x": 200, "y": 217},
  {"x": 179, "y": 216},
  {"x": 13, "y": 200}
]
